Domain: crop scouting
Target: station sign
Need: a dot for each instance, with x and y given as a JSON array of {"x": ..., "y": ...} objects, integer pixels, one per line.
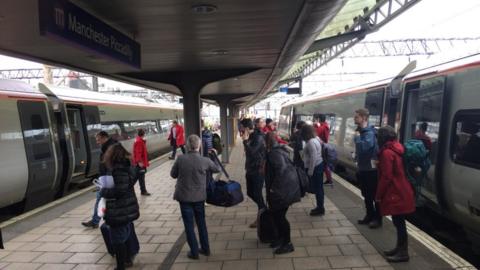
[{"x": 63, "y": 20}]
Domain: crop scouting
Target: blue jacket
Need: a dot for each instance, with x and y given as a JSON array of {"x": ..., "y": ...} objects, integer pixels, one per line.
[
  {"x": 366, "y": 148},
  {"x": 207, "y": 141}
]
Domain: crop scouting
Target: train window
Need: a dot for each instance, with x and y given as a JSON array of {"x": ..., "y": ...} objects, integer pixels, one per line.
[
  {"x": 374, "y": 104},
  {"x": 465, "y": 144},
  {"x": 283, "y": 124},
  {"x": 165, "y": 126},
  {"x": 113, "y": 129},
  {"x": 350, "y": 130},
  {"x": 40, "y": 150}
]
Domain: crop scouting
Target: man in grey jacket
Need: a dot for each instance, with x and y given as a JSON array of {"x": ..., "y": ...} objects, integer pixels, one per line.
[
  {"x": 191, "y": 192},
  {"x": 366, "y": 149}
]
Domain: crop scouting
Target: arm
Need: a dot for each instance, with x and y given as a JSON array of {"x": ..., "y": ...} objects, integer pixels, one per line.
[
  {"x": 212, "y": 166},
  {"x": 137, "y": 153},
  {"x": 174, "y": 170},
  {"x": 365, "y": 144},
  {"x": 386, "y": 175},
  {"x": 312, "y": 152}
]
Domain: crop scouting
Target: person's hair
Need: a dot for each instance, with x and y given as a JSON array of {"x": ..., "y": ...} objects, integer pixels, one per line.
[
  {"x": 115, "y": 154},
  {"x": 363, "y": 112},
  {"x": 322, "y": 117},
  {"x": 175, "y": 122},
  {"x": 257, "y": 120},
  {"x": 268, "y": 121},
  {"x": 141, "y": 132},
  {"x": 424, "y": 126},
  {"x": 386, "y": 134},
  {"x": 270, "y": 140},
  {"x": 193, "y": 142},
  {"x": 102, "y": 134},
  {"x": 247, "y": 123},
  {"x": 308, "y": 132},
  {"x": 300, "y": 124}
]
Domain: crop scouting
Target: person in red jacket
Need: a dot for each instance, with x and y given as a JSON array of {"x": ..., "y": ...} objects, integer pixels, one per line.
[
  {"x": 421, "y": 134},
  {"x": 176, "y": 138},
  {"x": 394, "y": 193},
  {"x": 270, "y": 127},
  {"x": 140, "y": 159},
  {"x": 323, "y": 132}
]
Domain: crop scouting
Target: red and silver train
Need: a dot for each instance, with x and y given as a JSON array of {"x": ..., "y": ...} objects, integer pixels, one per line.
[{"x": 47, "y": 137}]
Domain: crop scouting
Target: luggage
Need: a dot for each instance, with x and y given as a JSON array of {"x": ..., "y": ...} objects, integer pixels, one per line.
[
  {"x": 266, "y": 231},
  {"x": 223, "y": 193},
  {"x": 417, "y": 162},
  {"x": 133, "y": 246}
]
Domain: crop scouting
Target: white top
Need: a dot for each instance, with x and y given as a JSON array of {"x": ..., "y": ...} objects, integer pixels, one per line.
[{"x": 312, "y": 154}]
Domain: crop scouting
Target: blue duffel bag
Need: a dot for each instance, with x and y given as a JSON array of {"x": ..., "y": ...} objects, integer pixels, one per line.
[{"x": 223, "y": 193}]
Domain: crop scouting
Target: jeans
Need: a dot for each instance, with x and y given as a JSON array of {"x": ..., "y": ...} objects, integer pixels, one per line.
[
  {"x": 368, "y": 181},
  {"x": 141, "y": 178},
  {"x": 399, "y": 222},
  {"x": 191, "y": 211},
  {"x": 174, "y": 148},
  {"x": 95, "y": 218},
  {"x": 255, "y": 189},
  {"x": 316, "y": 181},
  {"x": 282, "y": 224}
]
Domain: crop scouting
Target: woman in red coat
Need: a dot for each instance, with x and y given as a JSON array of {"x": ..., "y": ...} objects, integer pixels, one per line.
[
  {"x": 176, "y": 138},
  {"x": 140, "y": 159},
  {"x": 394, "y": 193}
]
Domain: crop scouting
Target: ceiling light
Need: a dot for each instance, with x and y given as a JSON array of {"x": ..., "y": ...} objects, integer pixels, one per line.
[{"x": 204, "y": 9}]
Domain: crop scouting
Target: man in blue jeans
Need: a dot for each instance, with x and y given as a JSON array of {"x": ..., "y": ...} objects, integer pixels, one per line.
[
  {"x": 191, "y": 192},
  {"x": 102, "y": 138}
]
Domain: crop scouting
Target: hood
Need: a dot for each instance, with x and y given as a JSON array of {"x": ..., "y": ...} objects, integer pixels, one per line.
[
  {"x": 395, "y": 146},
  {"x": 369, "y": 128}
]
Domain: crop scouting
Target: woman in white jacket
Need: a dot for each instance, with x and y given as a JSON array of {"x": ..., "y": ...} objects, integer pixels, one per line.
[{"x": 312, "y": 158}]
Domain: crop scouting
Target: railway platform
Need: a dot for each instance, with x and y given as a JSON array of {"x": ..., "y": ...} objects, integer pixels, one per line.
[{"x": 54, "y": 238}]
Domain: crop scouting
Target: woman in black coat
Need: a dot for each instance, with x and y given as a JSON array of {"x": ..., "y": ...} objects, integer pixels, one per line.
[
  {"x": 283, "y": 190},
  {"x": 122, "y": 205}
]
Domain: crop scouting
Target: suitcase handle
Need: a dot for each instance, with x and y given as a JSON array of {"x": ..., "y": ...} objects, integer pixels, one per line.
[{"x": 221, "y": 165}]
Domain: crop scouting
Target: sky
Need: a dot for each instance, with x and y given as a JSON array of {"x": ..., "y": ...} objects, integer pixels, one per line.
[{"x": 427, "y": 19}]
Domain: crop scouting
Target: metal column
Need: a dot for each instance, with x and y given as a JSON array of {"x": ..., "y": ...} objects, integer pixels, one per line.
[{"x": 191, "y": 111}]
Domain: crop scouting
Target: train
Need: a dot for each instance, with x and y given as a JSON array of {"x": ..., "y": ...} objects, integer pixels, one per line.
[
  {"x": 446, "y": 99},
  {"x": 47, "y": 137}
]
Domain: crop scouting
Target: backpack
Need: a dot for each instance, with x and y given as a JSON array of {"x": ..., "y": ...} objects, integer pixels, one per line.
[
  {"x": 303, "y": 179},
  {"x": 329, "y": 153},
  {"x": 416, "y": 162},
  {"x": 217, "y": 143}
]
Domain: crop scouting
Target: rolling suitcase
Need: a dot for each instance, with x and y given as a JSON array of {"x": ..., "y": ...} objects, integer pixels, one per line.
[
  {"x": 223, "y": 193},
  {"x": 133, "y": 246},
  {"x": 266, "y": 231}
]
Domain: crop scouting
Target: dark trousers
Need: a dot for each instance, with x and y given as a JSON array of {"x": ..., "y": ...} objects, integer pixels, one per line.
[
  {"x": 195, "y": 211},
  {"x": 255, "y": 189},
  {"x": 174, "y": 148},
  {"x": 141, "y": 178},
  {"x": 316, "y": 181},
  {"x": 368, "y": 181},
  {"x": 282, "y": 224},
  {"x": 401, "y": 226}
]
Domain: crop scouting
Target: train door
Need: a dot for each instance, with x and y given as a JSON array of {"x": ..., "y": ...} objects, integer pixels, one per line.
[
  {"x": 42, "y": 168},
  {"x": 93, "y": 126},
  {"x": 423, "y": 110},
  {"x": 77, "y": 135}
]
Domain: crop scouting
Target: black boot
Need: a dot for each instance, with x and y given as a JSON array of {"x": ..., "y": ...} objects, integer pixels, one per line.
[
  {"x": 365, "y": 221},
  {"x": 401, "y": 255},
  {"x": 391, "y": 252},
  {"x": 120, "y": 256}
]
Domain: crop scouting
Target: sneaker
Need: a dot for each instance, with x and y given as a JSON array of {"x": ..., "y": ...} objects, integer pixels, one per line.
[
  {"x": 317, "y": 212},
  {"x": 328, "y": 182},
  {"x": 90, "y": 224},
  {"x": 375, "y": 224},
  {"x": 146, "y": 193},
  {"x": 204, "y": 252},
  {"x": 287, "y": 248},
  {"x": 191, "y": 256}
]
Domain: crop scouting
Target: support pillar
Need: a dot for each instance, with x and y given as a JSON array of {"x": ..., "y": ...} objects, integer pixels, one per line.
[
  {"x": 232, "y": 121},
  {"x": 224, "y": 130},
  {"x": 191, "y": 110}
]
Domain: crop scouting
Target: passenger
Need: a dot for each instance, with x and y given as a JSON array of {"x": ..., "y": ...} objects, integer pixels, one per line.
[
  {"x": 191, "y": 193},
  {"x": 254, "y": 145},
  {"x": 421, "y": 134},
  {"x": 105, "y": 141},
  {"x": 394, "y": 193},
  {"x": 176, "y": 138},
  {"x": 280, "y": 182},
  {"x": 313, "y": 161},
  {"x": 366, "y": 149},
  {"x": 121, "y": 204},
  {"x": 140, "y": 160},
  {"x": 207, "y": 141},
  {"x": 270, "y": 127},
  {"x": 296, "y": 142},
  {"x": 323, "y": 132}
]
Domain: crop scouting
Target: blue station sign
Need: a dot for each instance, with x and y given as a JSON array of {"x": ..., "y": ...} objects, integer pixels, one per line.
[{"x": 64, "y": 20}]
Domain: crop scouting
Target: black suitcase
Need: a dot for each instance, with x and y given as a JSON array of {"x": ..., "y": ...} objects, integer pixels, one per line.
[
  {"x": 133, "y": 246},
  {"x": 266, "y": 230}
]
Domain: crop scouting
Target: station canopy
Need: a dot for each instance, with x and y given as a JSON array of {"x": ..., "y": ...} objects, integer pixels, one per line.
[{"x": 241, "y": 48}]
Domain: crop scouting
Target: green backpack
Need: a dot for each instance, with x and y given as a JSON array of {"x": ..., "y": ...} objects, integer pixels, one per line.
[
  {"x": 217, "y": 143},
  {"x": 417, "y": 162}
]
